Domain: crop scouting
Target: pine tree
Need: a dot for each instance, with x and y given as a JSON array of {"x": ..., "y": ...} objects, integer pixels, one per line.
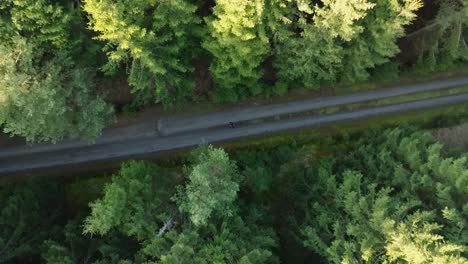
[
  {"x": 445, "y": 45},
  {"x": 138, "y": 205},
  {"x": 28, "y": 214}
]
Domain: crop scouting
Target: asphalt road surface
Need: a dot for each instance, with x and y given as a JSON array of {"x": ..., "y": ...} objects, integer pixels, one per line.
[
  {"x": 187, "y": 123},
  {"x": 156, "y": 144},
  {"x": 184, "y": 124}
]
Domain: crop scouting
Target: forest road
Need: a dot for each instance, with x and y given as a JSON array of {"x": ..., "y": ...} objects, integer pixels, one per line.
[
  {"x": 153, "y": 145},
  {"x": 190, "y": 123}
]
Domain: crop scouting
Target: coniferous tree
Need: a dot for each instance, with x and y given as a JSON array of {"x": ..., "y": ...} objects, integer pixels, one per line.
[
  {"x": 136, "y": 204},
  {"x": 340, "y": 40},
  {"x": 394, "y": 199},
  {"x": 239, "y": 45},
  {"x": 28, "y": 213},
  {"x": 45, "y": 94},
  {"x": 445, "y": 44},
  {"x": 156, "y": 37},
  {"x": 47, "y": 100}
]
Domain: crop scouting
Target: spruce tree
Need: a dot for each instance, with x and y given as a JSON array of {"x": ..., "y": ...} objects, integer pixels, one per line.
[
  {"x": 394, "y": 199},
  {"x": 239, "y": 45},
  {"x": 340, "y": 40},
  {"x": 157, "y": 39}
]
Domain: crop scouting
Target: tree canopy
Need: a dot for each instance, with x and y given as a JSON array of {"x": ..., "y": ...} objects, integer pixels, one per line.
[
  {"x": 44, "y": 93},
  {"x": 393, "y": 198},
  {"x": 239, "y": 44},
  {"x": 340, "y": 40},
  {"x": 155, "y": 37},
  {"x": 389, "y": 196}
]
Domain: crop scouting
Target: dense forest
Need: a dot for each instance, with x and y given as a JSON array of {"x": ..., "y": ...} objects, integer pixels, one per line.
[
  {"x": 59, "y": 56},
  {"x": 389, "y": 196},
  {"x": 386, "y": 195}
]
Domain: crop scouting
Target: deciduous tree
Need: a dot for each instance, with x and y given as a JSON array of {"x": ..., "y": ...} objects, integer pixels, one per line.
[{"x": 47, "y": 100}]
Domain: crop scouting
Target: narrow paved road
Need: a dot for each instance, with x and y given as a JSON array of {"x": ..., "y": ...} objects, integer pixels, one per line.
[
  {"x": 187, "y": 123},
  {"x": 184, "y": 124},
  {"x": 153, "y": 145}
]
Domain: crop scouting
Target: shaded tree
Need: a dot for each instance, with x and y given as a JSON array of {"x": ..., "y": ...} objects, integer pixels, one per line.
[
  {"x": 47, "y": 100},
  {"x": 28, "y": 214},
  {"x": 442, "y": 43}
]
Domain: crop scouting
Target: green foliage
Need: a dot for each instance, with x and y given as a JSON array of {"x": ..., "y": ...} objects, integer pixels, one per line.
[
  {"x": 135, "y": 203},
  {"x": 27, "y": 215},
  {"x": 445, "y": 44},
  {"x": 55, "y": 253},
  {"x": 44, "y": 95},
  {"x": 341, "y": 40},
  {"x": 395, "y": 198},
  {"x": 239, "y": 45},
  {"x": 233, "y": 240},
  {"x": 155, "y": 36},
  {"x": 389, "y": 196},
  {"x": 42, "y": 21},
  {"x": 47, "y": 100},
  {"x": 212, "y": 187},
  {"x": 73, "y": 247},
  {"x": 259, "y": 168}
]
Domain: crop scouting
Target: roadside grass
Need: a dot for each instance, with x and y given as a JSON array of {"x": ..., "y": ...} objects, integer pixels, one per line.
[
  {"x": 85, "y": 183},
  {"x": 394, "y": 100},
  {"x": 205, "y": 106},
  {"x": 424, "y": 119}
]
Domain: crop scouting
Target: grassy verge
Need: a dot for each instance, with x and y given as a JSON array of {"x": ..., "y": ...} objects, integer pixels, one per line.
[
  {"x": 395, "y": 100},
  {"x": 425, "y": 119},
  {"x": 205, "y": 106}
]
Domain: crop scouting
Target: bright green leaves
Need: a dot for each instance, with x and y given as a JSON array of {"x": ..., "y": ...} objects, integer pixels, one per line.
[
  {"x": 341, "y": 40},
  {"x": 203, "y": 226},
  {"x": 340, "y": 17},
  {"x": 312, "y": 59},
  {"x": 213, "y": 185},
  {"x": 239, "y": 45},
  {"x": 133, "y": 203},
  {"x": 393, "y": 198},
  {"x": 418, "y": 241},
  {"x": 156, "y": 37},
  {"x": 42, "y": 21}
]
